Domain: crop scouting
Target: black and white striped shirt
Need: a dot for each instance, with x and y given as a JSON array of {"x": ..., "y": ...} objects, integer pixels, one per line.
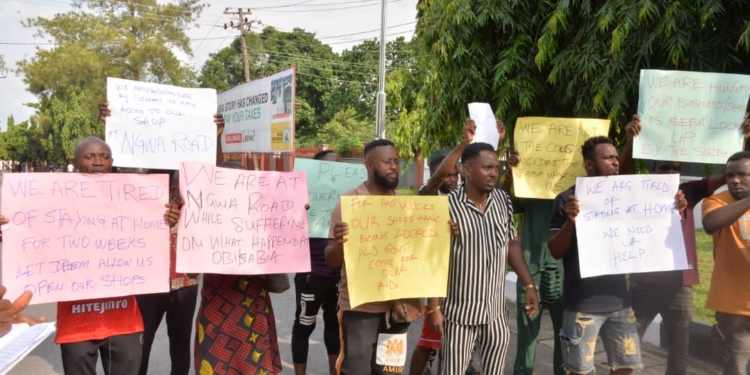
[{"x": 476, "y": 277}]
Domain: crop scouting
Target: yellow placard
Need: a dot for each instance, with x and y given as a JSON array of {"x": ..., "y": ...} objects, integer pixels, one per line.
[
  {"x": 398, "y": 247},
  {"x": 550, "y": 153},
  {"x": 281, "y": 136}
]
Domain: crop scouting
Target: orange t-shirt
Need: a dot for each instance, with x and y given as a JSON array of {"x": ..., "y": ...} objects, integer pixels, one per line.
[
  {"x": 97, "y": 319},
  {"x": 730, "y": 281}
]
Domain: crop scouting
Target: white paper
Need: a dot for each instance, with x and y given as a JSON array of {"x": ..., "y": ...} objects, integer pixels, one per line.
[
  {"x": 20, "y": 341},
  {"x": 483, "y": 116},
  {"x": 158, "y": 126},
  {"x": 628, "y": 224}
]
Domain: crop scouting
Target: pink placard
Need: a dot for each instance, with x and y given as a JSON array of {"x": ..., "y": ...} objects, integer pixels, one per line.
[
  {"x": 240, "y": 222},
  {"x": 73, "y": 236}
]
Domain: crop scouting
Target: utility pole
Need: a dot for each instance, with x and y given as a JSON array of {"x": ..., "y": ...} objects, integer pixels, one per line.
[
  {"x": 244, "y": 25},
  {"x": 380, "y": 115}
]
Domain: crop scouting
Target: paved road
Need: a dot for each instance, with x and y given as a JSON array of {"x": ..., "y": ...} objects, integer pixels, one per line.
[{"x": 45, "y": 360}]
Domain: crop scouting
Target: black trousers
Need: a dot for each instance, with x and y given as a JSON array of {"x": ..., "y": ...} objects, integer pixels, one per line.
[
  {"x": 121, "y": 355},
  {"x": 313, "y": 293},
  {"x": 179, "y": 306}
]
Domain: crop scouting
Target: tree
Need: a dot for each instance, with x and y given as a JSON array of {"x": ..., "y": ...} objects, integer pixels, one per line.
[
  {"x": 134, "y": 40},
  {"x": 358, "y": 77},
  {"x": 2, "y": 65},
  {"x": 567, "y": 58},
  {"x": 20, "y": 142}
]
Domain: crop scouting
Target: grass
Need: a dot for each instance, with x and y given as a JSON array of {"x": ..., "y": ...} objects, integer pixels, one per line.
[{"x": 704, "y": 243}]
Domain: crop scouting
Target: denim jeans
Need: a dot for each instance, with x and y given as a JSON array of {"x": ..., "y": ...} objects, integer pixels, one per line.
[{"x": 619, "y": 336}]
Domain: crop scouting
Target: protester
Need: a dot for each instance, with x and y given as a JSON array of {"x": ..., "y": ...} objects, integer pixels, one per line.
[
  {"x": 473, "y": 312},
  {"x": 361, "y": 328},
  {"x": 179, "y": 303},
  {"x": 726, "y": 216},
  {"x": 670, "y": 293},
  {"x": 313, "y": 290},
  {"x": 430, "y": 341},
  {"x": 594, "y": 305},
  {"x": 547, "y": 273},
  {"x": 10, "y": 312},
  {"x": 444, "y": 179},
  {"x": 83, "y": 329},
  {"x": 235, "y": 325}
]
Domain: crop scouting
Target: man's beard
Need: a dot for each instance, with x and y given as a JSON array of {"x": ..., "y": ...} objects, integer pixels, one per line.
[{"x": 384, "y": 182}]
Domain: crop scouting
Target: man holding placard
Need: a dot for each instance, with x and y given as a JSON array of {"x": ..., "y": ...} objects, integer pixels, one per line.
[
  {"x": 726, "y": 216},
  {"x": 595, "y": 305},
  {"x": 364, "y": 328},
  {"x": 473, "y": 312},
  {"x": 83, "y": 333},
  {"x": 670, "y": 293}
]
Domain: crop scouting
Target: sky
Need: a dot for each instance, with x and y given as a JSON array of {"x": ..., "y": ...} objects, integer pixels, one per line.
[{"x": 330, "y": 20}]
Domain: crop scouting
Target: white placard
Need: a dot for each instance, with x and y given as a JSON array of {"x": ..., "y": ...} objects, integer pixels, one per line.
[
  {"x": 259, "y": 115},
  {"x": 484, "y": 118},
  {"x": 628, "y": 224},
  {"x": 159, "y": 126}
]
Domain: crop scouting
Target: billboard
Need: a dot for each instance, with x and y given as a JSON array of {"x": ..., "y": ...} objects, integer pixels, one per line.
[{"x": 259, "y": 115}]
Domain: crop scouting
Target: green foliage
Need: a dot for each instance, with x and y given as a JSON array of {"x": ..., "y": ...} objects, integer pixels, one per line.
[
  {"x": 3, "y": 68},
  {"x": 567, "y": 58},
  {"x": 20, "y": 142},
  {"x": 134, "y": 40}
]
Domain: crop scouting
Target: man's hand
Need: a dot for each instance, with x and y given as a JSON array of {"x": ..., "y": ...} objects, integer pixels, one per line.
[
  {"x": 9, "y": 312},
  {"x": 680, "y": 203},
  {"x": 470, "y": 128},
  {"x": 172, "y": 216},
  {"x": 513, "y": 159},
  {"x": 436, "y": 321},
  {"x": 104, "y": 111},
  {"x": 633, "y": 128},
  {"x": 340, "y": 231},
  {"x": 571, "y": 208},
  {"x": 454, "y": 228},
  {"x": 219, "y": 121},
  {"x": 532, "y": 302},
  {"x": 746, "y": 126},
  {"x": 500, "y": 130},
  {"x": 3, "y": 220}
]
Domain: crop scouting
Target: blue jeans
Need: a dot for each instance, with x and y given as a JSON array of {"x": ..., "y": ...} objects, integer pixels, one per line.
[{"x": 619, "y": 335}]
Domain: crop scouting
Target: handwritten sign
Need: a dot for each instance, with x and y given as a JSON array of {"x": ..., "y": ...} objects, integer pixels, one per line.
[
  {"x": 628, "y": 224},
  {"x": 691, "y": 116},
  {"x": 241, "y": 222},
  {"x": 158, "y": 126},
  {"x": 259, "y": 115},
  {"x": 398, "y": 247},
  {"x": 326, "y": 181},
  {"x": 74, "y": 236},
  {"x": 550, "y": 153},
  {"x": 484, "y": 118}
]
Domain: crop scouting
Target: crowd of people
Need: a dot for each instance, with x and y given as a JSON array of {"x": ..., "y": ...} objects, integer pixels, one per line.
[{"x": 466, "y": 330}]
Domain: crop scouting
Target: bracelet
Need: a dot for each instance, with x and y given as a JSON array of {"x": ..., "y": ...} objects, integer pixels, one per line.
[
  {"x": 530, "y": 286},
  {"x": 430, "y": 311}
]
